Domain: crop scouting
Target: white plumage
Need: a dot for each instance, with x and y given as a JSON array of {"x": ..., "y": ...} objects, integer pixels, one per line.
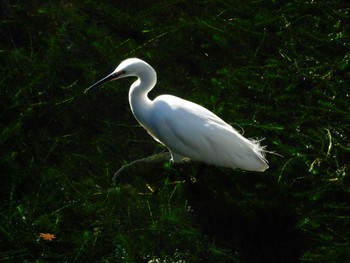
[{"x": 187, "y": 129}]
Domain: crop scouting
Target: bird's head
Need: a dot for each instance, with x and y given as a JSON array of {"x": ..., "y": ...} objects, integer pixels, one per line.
[{"x": 127, "y": 68}]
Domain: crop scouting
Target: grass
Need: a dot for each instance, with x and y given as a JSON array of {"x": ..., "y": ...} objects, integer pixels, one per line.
[{"x": 276, "y": 69}]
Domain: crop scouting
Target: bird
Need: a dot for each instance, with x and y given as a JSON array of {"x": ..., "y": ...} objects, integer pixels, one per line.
[{"x": 187, "y": 129}]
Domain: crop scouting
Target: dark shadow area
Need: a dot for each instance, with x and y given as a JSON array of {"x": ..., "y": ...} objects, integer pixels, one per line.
[
  {"x": 247, "y": 214},
  {"x": 277, "y": 70}
]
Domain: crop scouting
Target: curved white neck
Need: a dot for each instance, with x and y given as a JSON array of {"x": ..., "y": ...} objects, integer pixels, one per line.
[{"x": 139, "y": 102}]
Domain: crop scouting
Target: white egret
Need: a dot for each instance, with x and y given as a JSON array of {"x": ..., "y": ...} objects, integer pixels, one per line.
[{"x": 187, "y": 129}]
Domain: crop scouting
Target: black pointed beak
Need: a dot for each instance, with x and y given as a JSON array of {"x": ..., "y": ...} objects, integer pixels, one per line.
[{"x": 110, "y": 77}]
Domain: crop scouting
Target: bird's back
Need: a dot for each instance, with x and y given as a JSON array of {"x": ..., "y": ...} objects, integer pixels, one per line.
[{"x": 190, "y": 130}]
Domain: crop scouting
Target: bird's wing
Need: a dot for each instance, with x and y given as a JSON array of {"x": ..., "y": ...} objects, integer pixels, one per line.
[{"x": 190, "y": 130}]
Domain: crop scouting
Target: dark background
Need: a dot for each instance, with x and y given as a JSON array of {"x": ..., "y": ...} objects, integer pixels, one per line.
[{"x": 277, "y": 70}]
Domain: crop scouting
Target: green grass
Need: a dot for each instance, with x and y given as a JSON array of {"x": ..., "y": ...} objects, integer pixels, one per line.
[{"x": 278, "y": 70}]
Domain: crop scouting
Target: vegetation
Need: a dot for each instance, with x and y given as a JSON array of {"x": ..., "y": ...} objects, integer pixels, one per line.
[{"x": 277, "y": 70}]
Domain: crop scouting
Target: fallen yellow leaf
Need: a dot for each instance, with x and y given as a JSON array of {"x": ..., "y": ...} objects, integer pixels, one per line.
[{"x": 47, "y": 236}]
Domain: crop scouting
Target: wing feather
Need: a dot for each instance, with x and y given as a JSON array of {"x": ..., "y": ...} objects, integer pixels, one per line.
[{"x": 190, "y": 130}]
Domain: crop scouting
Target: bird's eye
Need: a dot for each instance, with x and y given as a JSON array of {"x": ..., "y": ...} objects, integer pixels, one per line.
[{"x": 119, "y": 74}]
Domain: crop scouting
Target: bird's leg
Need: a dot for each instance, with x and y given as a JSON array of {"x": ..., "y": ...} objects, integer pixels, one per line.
[
  {"x": 159, "y": 157},
  {"x": 178, "y": 158}
]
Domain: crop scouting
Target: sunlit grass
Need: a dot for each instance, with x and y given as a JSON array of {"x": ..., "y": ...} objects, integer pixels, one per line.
[{"x": 274, "y": 70}]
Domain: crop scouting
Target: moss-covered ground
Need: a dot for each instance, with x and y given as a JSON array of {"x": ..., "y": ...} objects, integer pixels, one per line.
[{"x": 277, "y": 70}]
